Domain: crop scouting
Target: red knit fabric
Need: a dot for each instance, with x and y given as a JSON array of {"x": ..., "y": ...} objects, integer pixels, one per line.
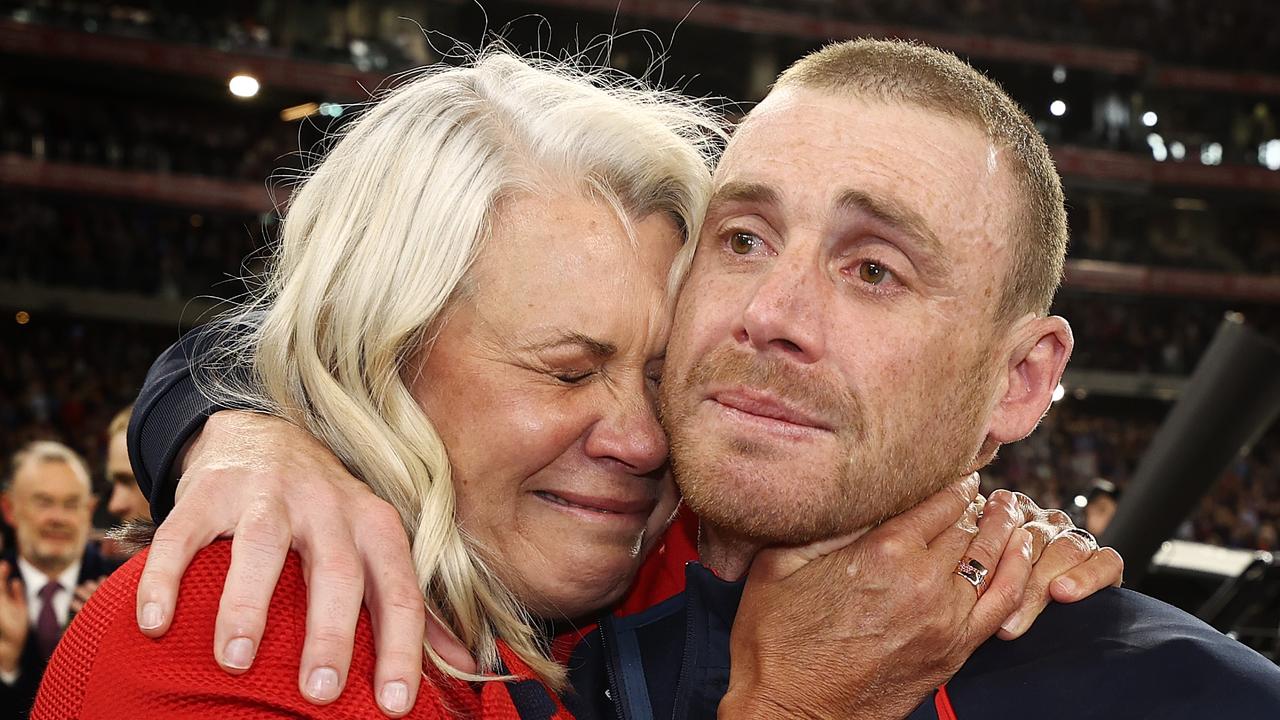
[{"x": 106, "y": 668}]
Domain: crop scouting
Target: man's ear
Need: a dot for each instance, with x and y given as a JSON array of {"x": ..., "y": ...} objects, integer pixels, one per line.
[{"x": 1041, "y": 347}]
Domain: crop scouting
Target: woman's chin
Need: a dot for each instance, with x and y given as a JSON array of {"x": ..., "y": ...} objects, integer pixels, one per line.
[{"x": 580, "y": 588}]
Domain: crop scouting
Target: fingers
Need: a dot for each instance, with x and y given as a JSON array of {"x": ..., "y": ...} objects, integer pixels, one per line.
[
  {"x": 781, "y": 562},
  {"x": 1005, "y": 590},
  {"x": 935, "y": 515},
  {"x": 1105, "y": 569},
  {"x": 995, "y": 527},
  {"x": 398, "y": 612},
  {"x": 176, "y": 541},
  {"x": 258, "y": 551},
  {"x": 335, "y": 588},
  {"x": 1065, "y": 552}
]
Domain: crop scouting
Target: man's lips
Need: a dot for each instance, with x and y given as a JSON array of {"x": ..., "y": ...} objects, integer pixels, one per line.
[
  {"x": 765, "y": 405},
  {"x": 598, "y": 504}
]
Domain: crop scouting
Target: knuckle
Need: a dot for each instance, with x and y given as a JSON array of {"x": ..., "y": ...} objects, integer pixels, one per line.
[
  {"x": 340, "y": 571},
  {"x": 332, "y": 641},
  {"x": 1058, "y": 518},
  {"x": 892, "y": 549},
  {"x": 384, "y": 518},
  {"x": 1074, "y": 546}
]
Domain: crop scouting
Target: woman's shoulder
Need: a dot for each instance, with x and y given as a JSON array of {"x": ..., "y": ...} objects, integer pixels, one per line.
[{"x": 104, "y": 661}]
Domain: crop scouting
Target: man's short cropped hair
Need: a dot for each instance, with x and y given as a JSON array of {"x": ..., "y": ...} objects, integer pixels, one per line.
[
  {"x": 47, "y": 451},
  {"x": 911, "y": 73}
]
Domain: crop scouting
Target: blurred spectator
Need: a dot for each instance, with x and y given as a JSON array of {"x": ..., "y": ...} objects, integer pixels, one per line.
[
  {"x": 127, "y": 501},
  {"x": 1100, "y": 506},
  {"x": 48, "y": 499}
]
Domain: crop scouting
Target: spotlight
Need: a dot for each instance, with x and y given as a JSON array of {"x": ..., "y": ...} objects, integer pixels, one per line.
[
  {"x": 1059, "y": 393},
  {"x": 1150, "y": 119},
  {"x": 1059, "y": 74},
  {"x": 1058, "y": 108},
  {"x": 1080, "y": 501},
  {"x": 1177, "y": 150},
  {"x": 1211, "y": 154},
  {"x": 1269, "y": 154},
  {"x": 243, "y": 86}
]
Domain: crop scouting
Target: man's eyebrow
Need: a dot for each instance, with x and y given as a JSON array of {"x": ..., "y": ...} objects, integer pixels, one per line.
[
  {"x": 745, "y": 192},
  {"x": 897, "y": 216},
  {"x": 597, "y": 348}
]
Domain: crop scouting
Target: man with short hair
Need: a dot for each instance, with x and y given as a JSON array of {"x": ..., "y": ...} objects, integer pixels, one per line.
[
  {"x": 48, "y": 500},
  {"x": 127, "y": 501},
  {"x": 866, "y": 317}
]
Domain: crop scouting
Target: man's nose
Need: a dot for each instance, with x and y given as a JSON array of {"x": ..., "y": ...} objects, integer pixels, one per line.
[
  {"x": 784, "y": 313},
  {"x": 629, "y": 434}
]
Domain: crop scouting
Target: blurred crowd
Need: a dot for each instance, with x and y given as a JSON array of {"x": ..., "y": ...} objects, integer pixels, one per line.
[
  {"x": 1186, "y": 32},
  {"x": 110, "y": 245},
  {"x": 119, "y": 132},
  {"x": 64, "y": 379},
  {"x": 1081, "y": 441},
  {"x": 362, "y": 33},
  {"x": 1229, "y": 234},
  {"x": 1159, "y": 335}
]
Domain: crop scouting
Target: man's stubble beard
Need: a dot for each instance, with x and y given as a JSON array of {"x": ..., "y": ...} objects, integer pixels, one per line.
[{"x": 879, "y": 471}]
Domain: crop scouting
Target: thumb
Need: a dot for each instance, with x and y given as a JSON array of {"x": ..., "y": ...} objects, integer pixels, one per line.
[
  {"x": 780, "y": 562},
  {"x": 447, "y": 646}
]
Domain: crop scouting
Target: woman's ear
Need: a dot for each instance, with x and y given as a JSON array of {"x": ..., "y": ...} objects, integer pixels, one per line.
[{"x": 1040, "y": 351}]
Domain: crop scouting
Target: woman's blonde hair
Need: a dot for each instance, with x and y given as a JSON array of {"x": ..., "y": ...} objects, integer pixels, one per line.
[{"x": 377, "y": 242}]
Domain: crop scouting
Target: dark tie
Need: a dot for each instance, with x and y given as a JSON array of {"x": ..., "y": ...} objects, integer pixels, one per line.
[{"x": 47, "y": 628}]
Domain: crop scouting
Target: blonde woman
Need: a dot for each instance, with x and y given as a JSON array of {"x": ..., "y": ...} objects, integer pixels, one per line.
[{"x": 469, "y": 307}]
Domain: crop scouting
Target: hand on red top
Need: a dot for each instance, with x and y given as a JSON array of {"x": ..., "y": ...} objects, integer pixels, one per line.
[{"x": 273, "y": 487}]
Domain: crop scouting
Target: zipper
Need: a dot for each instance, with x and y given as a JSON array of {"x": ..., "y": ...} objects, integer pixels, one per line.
[
  {"x": 608, "y": 666},
  {"x": 690, "y": 607}
]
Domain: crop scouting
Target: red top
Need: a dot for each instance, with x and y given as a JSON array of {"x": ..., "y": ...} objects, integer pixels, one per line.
[{"x": 104, "y": 667}]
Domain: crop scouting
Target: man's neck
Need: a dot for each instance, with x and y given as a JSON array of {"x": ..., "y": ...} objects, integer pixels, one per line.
[{"x": 726, "y": 553}]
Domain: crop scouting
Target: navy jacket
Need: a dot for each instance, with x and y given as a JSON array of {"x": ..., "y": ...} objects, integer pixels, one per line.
[{"x": 1117, "y": 654}]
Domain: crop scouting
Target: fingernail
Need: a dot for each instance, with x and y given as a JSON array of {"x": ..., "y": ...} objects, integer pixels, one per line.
[
  {"x": 1065, "y": 585},
  {"x": 394, "y": 697},
  {"x": 238, "y": 654},
  {"x": 322, "y": 684},
  {"x": 152, "y": 616},
  {"x": 1013, "y": 624}
]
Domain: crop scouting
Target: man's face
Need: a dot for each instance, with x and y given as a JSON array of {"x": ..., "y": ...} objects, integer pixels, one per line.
[
  {"x": 127, "y": 501},
  {"x": 834, "y": 359},
  {"x": 51, "y": 511}
]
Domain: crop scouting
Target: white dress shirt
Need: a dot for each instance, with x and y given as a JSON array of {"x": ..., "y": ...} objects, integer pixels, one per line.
[{"x": 33, "y": 581}]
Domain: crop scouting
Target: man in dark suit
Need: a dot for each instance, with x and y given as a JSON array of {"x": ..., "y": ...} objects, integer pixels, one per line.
[{"x": 48, "y": 499}]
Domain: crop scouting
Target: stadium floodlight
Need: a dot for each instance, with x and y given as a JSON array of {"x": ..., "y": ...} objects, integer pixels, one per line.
[
  {"x": 1211, "y": 153},
  {"x": 1158, "y": 150},
  {"x": 1269, "y": 154},
  {"x": 1058, "y": 108},
  {"x": 1150, "y": 119},
  {"x": 243, "y": 86}
]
